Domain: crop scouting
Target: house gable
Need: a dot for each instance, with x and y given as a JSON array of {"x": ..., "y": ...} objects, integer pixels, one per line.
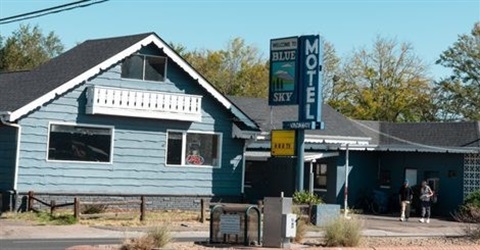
[{"x": 84, "y": 62}]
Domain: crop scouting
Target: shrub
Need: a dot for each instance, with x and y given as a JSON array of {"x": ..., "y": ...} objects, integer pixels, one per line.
[
  {"x": 470, "y": 210},
  {"x": 161, "y": 236},
  {"x": 473, "y": 231},
  {"x": 302, "y": 227},
  {"x": 140, "y": 243},
  {"x": 305, "y": 197},
  {"x": 93, "y": 208},
  {"x": 473, "y": 199},
  {"x": 343, "y": 232},
  {"x": 155, "y": 238},
  {"x": 467, "y": 213}
]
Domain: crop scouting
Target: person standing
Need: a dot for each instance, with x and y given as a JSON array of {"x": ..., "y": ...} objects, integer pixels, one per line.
[
  {"x": 426, "y": 194},
  {"x": 405, "y": 196}
]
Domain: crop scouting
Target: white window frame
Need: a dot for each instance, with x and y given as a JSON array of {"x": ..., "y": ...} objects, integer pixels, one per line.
[
  {"x": 318, "y": 167},
  {"x": 184, "y": 146},
  {"x": 143, "y": 68},
  {"x": 112, "y": 139}
]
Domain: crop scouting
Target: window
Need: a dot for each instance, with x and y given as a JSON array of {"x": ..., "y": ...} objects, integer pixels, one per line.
[
  {"x": 320, "y": 176},
  {"x": 385, "y": 178},
  {"x": 193, "y": 149},
  {"x": 79, "y": 143},
  {"x": 142, "y": 67}
]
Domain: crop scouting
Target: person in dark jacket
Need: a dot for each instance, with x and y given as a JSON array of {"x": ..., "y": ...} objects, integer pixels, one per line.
[{"x": 405, "y": 196}]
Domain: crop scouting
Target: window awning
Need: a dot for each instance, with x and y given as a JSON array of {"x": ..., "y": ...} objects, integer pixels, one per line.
[{"x": 308, "y": 156}]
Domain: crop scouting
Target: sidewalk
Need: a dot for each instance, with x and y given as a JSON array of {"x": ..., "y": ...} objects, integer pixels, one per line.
[{"x": 374, "y": 226}]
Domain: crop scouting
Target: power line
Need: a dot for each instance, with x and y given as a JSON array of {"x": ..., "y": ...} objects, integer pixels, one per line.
[{"x": 51, "y": 10}]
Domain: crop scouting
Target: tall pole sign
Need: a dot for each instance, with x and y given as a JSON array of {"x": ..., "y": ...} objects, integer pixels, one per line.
[
  {"x": 283, "y": 89},
  {"x": 310, "y": 79},
  {"x": 296, "y": 79}
]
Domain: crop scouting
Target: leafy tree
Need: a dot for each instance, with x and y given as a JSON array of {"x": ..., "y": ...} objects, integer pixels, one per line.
[
  {"x": 27, "y": 48},
  {"x": 387, "y": 83},
  {"x": 236, "y": 70},
  {"x": 459, "y": 94},
  {"x": 331, "y": 67}
]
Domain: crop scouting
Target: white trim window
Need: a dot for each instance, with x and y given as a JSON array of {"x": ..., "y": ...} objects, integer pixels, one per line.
[
  {"x": 320, "y": 182},
  {"x": 145, "y": 68},
  {"x": 193, "y": 148},
  {"x": 79, "y": 143}
]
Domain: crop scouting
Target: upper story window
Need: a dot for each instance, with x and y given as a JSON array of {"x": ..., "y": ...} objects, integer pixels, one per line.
[
  {"x": 79, "y": 143},
  {"x": 143, "y": 67}
]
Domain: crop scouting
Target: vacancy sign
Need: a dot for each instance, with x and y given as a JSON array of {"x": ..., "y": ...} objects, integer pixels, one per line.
[
  {"x": 283, "y": 79},
  {"x": 283, "y": 143}
]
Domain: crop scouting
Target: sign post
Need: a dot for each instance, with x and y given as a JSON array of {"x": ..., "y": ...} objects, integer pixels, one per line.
[{"x": 295, "y": 79}]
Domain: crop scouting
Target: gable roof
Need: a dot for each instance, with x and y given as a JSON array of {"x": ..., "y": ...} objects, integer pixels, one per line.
[
  {"x": 423, "y": 136},
  {"x": 337, "y": 126},
  {"x": 455, "y": 137},
  {"x": 21, "y": 93}
]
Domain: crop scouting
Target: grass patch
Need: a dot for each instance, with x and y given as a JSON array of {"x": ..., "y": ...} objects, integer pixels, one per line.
[
  {"x": 43, "y": 218},
  {"x": 155, "y": 238},
  {"x": 343, "y": 232},
  {"x": 114, "y": 218},
  {"x": 152, "y": 218}
]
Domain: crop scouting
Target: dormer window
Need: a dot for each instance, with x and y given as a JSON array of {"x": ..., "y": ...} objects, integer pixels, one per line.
[{"x": 146, "y": 68}]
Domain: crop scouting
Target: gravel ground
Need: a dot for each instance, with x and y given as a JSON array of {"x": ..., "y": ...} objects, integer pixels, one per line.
[{"x": 366, "y": 242}]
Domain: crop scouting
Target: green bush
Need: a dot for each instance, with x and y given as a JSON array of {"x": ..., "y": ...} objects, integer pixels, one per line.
[
  {"x": 470, "y": 210},
  {"x": 343, "y": 232},
  {"x": 473, "y": 199},
  {"x": 305, "y": 197}
]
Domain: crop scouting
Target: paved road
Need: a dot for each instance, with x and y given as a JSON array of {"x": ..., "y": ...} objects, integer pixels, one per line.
[{"x": 63, "y": 243}]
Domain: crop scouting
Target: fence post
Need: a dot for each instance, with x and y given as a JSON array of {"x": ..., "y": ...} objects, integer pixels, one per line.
[
  {"x": 142, "y": 208},
  {"x": 52, "y": 207},
  {"x": 30, "y": 201},
  {"x": 76, "y": 208},
  {"x": 203, "y": 211}
]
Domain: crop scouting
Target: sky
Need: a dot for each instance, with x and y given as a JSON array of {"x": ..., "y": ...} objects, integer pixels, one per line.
[{"x": 431, "y": 26}]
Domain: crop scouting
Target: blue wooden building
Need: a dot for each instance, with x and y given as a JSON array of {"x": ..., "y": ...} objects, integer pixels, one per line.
[
  {"x": 120, "y": 116},
  {"x": 381, "y": 156}
]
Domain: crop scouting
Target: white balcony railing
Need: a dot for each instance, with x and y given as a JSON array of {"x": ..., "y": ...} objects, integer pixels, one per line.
[{"x": 146, "y": 104}]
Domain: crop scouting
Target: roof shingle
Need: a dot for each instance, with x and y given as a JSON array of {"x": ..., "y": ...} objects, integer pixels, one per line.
[{"x": 19, "y": 89}]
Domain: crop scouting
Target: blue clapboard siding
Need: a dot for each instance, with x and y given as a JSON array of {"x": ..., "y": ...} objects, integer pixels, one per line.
[
  {"x": 8, "y": 143},
  {"x": 139, "y": 146}
]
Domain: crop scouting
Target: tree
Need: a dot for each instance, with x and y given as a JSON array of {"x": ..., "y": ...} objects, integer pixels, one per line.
[
  {"x": 330, "y": 68},
  {"x": 387, "y": 83},
  {"x": 459, "y": 94},
  {"x": 236, "y": 70},
  {"x": 27, "y": 48}
]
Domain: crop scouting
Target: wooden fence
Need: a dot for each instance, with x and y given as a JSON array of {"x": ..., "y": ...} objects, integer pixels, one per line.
[
  {"x": 77, "y": 206},
  {"x": 52, "y": 205},
  {"x": 78, "y": 203}
]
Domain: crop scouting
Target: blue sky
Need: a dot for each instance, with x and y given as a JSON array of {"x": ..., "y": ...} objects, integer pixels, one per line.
[{"x": 430, "y": 25}]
